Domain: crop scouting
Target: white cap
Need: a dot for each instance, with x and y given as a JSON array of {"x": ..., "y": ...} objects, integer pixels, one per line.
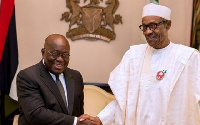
[{"x": 156, "y": 10}]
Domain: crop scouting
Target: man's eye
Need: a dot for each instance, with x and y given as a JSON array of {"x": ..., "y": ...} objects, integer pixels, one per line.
[
  {"x": 54, "y": 54},
  {"x": 152, "y": 25},
  {"x": 145, "y": 27},
  {"x": 65, "y": 54}
]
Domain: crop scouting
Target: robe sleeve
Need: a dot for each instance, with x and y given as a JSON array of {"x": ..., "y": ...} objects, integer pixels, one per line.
[
  {"x": 108, "y": 114},
  {"x": 196, "y": 85},
  {"x": 114, "y": 112}
]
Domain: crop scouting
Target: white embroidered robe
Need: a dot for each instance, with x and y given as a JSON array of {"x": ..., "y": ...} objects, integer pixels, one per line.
[{"x": 141, "y": 99}]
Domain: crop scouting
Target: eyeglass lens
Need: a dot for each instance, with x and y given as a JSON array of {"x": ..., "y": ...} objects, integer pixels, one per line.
[
  {"x": 56, "y": 54},
  {"x": 152, "y": 26}
]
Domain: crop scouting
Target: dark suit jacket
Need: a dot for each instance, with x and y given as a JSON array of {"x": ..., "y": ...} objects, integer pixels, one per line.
[{"x": 40, "y": 99}]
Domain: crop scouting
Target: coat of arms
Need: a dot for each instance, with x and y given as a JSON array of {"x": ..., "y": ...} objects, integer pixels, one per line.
[{"x": 92, "y": 21}]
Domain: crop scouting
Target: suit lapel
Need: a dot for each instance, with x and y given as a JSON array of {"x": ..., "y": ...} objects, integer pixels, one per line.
[
  {"x": 49, "y": 82},
  {"x": 70, "y": 90}
]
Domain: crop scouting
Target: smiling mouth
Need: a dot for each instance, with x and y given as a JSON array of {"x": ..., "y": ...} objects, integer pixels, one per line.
[
  {"x": 58, "y": 66},
  {"x": 151, "y": 38}
]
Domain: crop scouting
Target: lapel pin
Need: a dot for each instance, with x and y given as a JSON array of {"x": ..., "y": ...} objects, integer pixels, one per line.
[{"x": 161, "y": 74}]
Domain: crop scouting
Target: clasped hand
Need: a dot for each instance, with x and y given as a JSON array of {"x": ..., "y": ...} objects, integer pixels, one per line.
[{"x": 88, "y": 120}]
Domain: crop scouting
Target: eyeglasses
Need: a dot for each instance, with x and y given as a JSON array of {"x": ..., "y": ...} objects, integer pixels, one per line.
[
  {"x": 56, "y": 54},
  {"x": 152, "y": 26}
]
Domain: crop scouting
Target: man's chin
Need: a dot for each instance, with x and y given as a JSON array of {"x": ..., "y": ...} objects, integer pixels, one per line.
[
  {"x": 152, "y": 43},
  {"x": 57, "y": 71}
]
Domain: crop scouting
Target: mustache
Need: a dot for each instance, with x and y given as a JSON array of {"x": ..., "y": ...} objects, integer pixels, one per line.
[{"x": 151, "y": 36}]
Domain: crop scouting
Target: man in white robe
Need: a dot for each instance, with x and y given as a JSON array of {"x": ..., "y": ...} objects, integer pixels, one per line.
[{"x": 156, "y": 83}]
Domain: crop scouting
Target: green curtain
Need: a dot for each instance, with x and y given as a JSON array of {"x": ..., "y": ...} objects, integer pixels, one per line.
[{"x": 195, "y": 35}]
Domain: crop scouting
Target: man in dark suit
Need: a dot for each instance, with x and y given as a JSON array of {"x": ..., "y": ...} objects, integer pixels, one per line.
[{"x": 41, "y": 100}]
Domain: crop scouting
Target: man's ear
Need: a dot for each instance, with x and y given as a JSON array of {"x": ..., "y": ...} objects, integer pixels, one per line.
[
  {"x": 168, "y": 26},
  {"x": 42, "y": 51}
]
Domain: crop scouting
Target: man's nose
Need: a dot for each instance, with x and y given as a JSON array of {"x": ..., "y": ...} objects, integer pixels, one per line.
[
  {"x": 60, "y": 58},
  {"x": 148, "y": 31}
]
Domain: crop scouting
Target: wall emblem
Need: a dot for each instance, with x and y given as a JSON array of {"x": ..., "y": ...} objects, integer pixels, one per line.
[{"x": 89, "y": 20}]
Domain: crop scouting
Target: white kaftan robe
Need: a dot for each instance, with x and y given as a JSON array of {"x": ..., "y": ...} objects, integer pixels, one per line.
[{"x": 141, "y": 99}]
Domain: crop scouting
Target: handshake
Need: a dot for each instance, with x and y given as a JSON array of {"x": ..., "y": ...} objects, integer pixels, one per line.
[{"x": 88, "y": 120}]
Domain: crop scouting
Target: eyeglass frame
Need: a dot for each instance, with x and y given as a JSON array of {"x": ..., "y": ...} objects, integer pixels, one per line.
[
  {"x": 155, "y": 25},
  {"x": 58, "y": 54}
]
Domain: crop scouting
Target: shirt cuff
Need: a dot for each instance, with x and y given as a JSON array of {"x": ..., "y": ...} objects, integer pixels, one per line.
[{"x": 75, "y": 120}]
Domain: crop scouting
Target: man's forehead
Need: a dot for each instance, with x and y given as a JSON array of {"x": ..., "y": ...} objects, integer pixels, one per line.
[{"x": 151, "y": 19}]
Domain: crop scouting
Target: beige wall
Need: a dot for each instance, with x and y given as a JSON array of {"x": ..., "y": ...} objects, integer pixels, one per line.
[{"x": 36, "y": 19}]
